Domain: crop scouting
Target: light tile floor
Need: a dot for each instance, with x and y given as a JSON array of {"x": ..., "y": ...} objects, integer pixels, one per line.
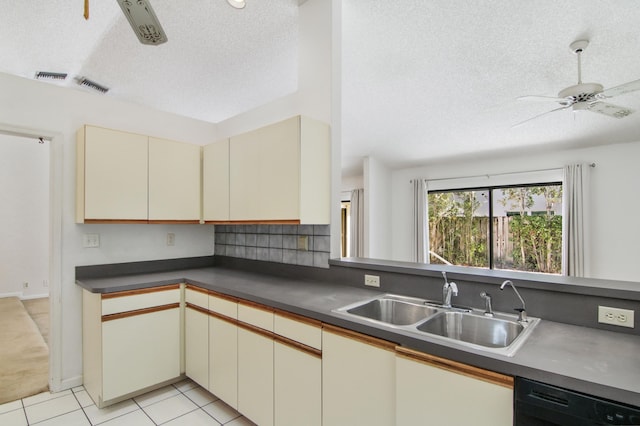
[{"x": 181, "y": 404}]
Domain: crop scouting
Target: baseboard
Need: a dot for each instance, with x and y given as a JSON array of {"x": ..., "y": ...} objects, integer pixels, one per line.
[
  {"x": 34, "y": 296},
  {"x": 18, "y": 295},
  {"x": 69, "y": 383}
]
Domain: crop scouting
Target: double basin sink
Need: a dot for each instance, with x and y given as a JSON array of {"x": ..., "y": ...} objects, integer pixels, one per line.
[{"x": 500, "y": 333}]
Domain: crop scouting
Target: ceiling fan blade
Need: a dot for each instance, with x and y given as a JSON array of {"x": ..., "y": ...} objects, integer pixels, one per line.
[
  {"x": 631, "y": 86},
  {"x": 542, "y": 99},
  {"x": 540, "y": 115},
  {"x": 610, "y": 109}
]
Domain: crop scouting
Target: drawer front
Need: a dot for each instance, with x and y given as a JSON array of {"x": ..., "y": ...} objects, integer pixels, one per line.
[
  {"x": 224, "y": 307},
  {"x": 255, "y": 316},
  {"x": 302, "y": 332},
  {"x": 197, "y": 298},
  {"x": 137, "y": 299}
]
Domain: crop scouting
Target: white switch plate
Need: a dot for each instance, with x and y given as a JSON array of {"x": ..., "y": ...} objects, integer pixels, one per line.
[
  {"x": 91, "y": 240},
  {"x": 615, "y": 316},
  {"x": 171, "y": 239},
  {"x": 372, "y": 280}
]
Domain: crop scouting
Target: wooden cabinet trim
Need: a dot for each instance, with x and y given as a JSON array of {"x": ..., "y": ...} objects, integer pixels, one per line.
[
  {"x": 197, "y": 308},
  {"x": 198, "y": 289},
  {"x": 225, "y": 318},
  {"x": 140, "y": 291},
  {"x": 255, "y": 305},
  {"x": 456, "y": 367},
  {"x": 116, "y": 221},
  {"x": 299, "y": 318},
  {"x": 137, "y": 312},
  {"x": 173, "y": 222},
  {"x": 223, "y": 296},
  {"x": 256, "y": 330},
  {"x": 382, "y": 344},
  {"x": 298, "y": 346}
]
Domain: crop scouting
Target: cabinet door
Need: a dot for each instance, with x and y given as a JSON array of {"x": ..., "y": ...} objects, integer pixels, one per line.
[
  {"x": 265, "y": 173},
  {"x": 223, "y": 359},
  {"x": 215, "y": 181},
  {"x": 297, "y": 387},
  {"x": 255, "y": 377},
  {"x": 115, "y": 175},
  {"x": 430, "y": 395},
  {"x": 174, "y": 181},
  {"x": 140, "y": 351},
  {"x": 197, "y": 346},
  {"x": 358, "y": 380}
]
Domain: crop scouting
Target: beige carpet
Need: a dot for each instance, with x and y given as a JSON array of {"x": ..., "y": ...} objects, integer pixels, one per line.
[
  {"x": 24, "y": 355},
  {"x": 38, "y": 310}
]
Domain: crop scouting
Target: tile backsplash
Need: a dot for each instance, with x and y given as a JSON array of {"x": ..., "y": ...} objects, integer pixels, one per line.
[{"x": 275, "y": 243}]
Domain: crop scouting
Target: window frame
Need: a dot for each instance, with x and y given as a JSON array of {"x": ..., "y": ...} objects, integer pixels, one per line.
[{"x": 490, "y": 189}]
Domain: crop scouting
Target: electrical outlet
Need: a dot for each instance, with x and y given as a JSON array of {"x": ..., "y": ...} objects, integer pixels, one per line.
[
  {"x": 91, "y": 240},
  {"x": 171, "y": 239},
  {"x": 25, "y": 285},
  {"x": 616, "y": 316},
  {"x": 372, "y": 280}
]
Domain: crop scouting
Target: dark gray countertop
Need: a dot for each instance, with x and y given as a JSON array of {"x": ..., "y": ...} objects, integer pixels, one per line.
[{"x": 596, "y": 362}]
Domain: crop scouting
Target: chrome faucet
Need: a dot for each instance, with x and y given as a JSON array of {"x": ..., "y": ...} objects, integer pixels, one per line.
[
  {"x": 522, "y": 316},
  {"x": 449, "y": 288},
  {"x": 488, "y": 310}
]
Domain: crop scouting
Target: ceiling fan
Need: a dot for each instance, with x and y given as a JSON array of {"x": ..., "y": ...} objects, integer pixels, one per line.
[{"x": 586, "y": 96}]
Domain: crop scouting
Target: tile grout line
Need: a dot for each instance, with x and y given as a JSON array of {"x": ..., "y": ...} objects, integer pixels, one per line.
[
  {"x": 145, "y": 413},
  {"x": 81, "y": 407}
]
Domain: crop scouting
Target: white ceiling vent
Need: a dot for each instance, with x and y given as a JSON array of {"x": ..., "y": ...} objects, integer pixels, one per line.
[
  {"x": 82, "y": 81},
  {"x": 46, "y": 75}
]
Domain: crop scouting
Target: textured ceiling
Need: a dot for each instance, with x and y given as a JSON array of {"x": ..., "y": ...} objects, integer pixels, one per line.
[
  {"x": 218, "y": 62},
  {"x": 423, "y": 80}
]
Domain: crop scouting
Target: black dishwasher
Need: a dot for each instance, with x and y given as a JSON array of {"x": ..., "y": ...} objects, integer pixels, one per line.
[{"x": 539, "y": 404}]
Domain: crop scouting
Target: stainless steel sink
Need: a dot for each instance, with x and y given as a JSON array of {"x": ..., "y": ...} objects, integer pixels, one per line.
[
  {"x": 423, "y": 319},
  {"x": 393, "y": 311},
  {"x": 475, "y": 329}
]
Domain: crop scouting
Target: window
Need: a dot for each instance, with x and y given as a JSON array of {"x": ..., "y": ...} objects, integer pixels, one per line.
[{"x": 500, "y": 227}]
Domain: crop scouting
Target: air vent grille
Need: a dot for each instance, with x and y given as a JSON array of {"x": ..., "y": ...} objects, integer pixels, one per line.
[
  {"x": 92, "y": 85},
  {"x": 46, "y": 75}
]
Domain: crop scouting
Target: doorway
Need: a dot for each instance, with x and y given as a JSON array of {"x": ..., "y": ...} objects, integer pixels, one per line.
[{"x": 52, "y": 240}]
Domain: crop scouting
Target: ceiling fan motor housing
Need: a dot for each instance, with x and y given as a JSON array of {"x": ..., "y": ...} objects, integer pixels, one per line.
[{"x": 583, "y": 92}]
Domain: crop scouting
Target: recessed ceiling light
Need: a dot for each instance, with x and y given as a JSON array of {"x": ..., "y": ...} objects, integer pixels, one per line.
[{"x": 238, "y": 4}]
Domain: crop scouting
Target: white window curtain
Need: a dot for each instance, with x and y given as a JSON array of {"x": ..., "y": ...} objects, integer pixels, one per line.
[
  {"x": 356, "y": 230},
  {"x": 576, "y": 206},
  {"x": 420, "y": 245}
]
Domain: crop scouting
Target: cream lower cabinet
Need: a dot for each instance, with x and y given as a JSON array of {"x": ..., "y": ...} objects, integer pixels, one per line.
[
  {"x": 223, "y": 349},
  {"x": 196, "y": 335},
  {"x": 297, "y": 371},
  {"x": 131, "y": 342},
  {"x": 358, "y": 379},
  {"x": 255, "y": 364},
  {"x": 435, "y": 391}
]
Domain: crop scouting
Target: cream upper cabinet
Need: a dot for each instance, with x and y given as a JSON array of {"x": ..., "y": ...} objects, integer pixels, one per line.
[
  {"x": 215, "y": 181},
  {"x": 358, "y": 379},
  {"x": 174, "y": 181},
  {"x": 437, "y": 392},
  {"x": 125, "y": 177},
  {"x": 281, "y": 172},
  {"x": 111, "y": 175}
]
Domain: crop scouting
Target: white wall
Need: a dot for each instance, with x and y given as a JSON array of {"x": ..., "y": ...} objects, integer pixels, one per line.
[
  {"x": 38, "y": 105},
  {"x": 614, "y": 212},
  {"x": 377, "y": 209},
  {"x": 313, "y": 97},
  {"x": 24, "y": 217}
]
